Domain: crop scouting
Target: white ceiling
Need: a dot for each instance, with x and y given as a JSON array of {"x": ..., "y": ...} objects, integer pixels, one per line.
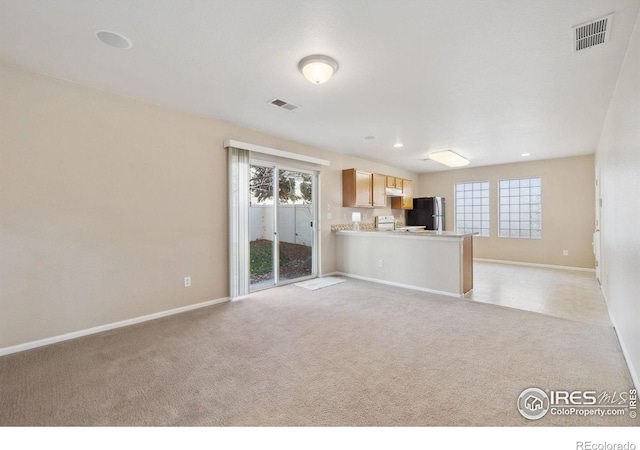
[{"x": 490, "y": 79}]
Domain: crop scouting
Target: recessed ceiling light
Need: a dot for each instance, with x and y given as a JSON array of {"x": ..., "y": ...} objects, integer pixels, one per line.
[
  {"x": 368, "y": 138},
  {"x": 526, "y": 154},
  {"x": 449, "y": 158},
  {"x": 398, "y": 145},
  {"x": 113, "y": 39}
]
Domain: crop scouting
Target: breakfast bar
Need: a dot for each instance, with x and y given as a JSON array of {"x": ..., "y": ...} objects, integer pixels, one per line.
[{"x": 432, "y": 261}]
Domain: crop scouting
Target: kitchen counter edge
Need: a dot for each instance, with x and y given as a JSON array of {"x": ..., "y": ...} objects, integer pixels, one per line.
[{"x": 405, "y": 234}]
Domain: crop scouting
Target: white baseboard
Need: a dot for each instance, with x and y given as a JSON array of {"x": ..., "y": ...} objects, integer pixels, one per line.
[
  {"x": 632, "y": 370},
  {"x": 548, "y": 266},
  {"x": 330, "y": 274},
  {"x": 401, "y": 285},
  {"x": 625, "y": 352},
  {"x": 109, "y": 326}
]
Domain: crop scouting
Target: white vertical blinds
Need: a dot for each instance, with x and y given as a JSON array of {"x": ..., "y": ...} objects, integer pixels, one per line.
[{"x": 239, "y": 168}]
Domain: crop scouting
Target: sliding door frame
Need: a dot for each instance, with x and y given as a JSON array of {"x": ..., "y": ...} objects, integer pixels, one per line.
[{"x": 277, "y": 168}]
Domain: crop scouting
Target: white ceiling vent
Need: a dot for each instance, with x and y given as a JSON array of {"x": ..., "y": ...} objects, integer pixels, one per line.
[
  {"x": 278, "y": 103},
  {"x": 591, "y": 33}
]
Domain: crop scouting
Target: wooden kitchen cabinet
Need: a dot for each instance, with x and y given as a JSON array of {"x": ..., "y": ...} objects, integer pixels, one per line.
[
  {"x": 391, "y": 182},
  {"x": 379, "y": 190},
  {"x": 363, "y": 189},
  {"x": 405, "y": 202},
  {"x": 356, "y": 188}
]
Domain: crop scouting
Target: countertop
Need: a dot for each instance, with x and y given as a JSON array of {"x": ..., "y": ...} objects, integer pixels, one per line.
[{"x": 405, "y": 234}]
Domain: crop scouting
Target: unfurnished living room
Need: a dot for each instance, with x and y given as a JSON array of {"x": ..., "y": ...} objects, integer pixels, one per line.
[{"x": 334, "y": 213}]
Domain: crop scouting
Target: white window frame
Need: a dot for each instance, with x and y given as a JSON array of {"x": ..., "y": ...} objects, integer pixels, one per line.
[
  {"x": 474, "y": 214},
  {"x": 520, "y": 208}
]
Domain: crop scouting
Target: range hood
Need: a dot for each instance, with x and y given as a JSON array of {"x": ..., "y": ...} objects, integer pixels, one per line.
[{"x": 394, "y": 192}]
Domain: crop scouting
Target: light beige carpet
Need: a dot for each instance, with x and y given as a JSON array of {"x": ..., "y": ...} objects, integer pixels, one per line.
[{"x": 356, "y": 353}]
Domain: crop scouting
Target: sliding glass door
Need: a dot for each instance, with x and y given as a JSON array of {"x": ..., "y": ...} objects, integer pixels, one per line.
[
  {"x": 295, "y": 225},
  {"x": 282, "y": 237}
]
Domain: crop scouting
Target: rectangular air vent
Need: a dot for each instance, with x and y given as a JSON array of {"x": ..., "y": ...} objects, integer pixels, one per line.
[
  {"x": 591, "y": 33},
  {"x": 282, "y": 104}
]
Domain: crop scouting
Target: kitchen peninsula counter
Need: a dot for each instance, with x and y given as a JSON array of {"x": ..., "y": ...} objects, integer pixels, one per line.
[
  {"x": 412, "y": 234},
  {"x": 433, "y": 261}
]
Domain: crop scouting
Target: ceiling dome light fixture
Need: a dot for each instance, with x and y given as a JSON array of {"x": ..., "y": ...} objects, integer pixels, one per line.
[
  {"x": 318, "y": 68},
  {"x": 398, "y": 145},
  {"x": 113, "y": 39},
  {"x": 449, "y": 158}
]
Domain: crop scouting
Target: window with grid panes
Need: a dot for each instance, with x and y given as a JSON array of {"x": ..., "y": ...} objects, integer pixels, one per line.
[
  {"x": 520, "y": 208},
  {"x": 472, "y": 207}
]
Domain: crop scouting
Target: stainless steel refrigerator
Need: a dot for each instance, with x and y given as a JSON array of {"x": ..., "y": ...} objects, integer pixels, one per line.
[{"x": 427, "y": 211}]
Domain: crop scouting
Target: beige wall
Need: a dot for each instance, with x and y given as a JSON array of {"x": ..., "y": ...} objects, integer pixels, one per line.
[
  {"x": 618, "y": 159},
  {"x": 568, "y": 204},
  {"x": 106, "y": 203}
]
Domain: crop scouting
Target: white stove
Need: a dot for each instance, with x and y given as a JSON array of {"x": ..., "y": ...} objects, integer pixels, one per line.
[{"x": 385, "y": 223}]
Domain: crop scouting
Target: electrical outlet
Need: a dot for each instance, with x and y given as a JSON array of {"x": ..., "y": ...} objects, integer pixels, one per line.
[
  {"x": 381, "y": 263},
  {"x": 565, "y": 252},
  {"x": 328, "y": 216},
  {"x": 187, "y": 282}
]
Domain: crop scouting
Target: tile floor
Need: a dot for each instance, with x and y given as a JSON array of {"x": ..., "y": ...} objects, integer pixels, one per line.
[{"x": 567, "y": 294}]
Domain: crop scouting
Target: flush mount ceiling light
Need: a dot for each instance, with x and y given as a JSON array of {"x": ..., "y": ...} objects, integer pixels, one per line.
[
  {"x": 526, "y": 154},
  {"x": 318, "y": 68},
  {"x": 398, "y": 145},
  {"x": 449, "y": 158},
  {"x": 113, "y": 39}
]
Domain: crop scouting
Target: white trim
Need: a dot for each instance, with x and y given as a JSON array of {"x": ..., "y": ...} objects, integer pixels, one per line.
[
  {"x": 275, "y": 152},
  {"x": 401, "y": 285},
  {"x": 548, "y": 266},
  {"x": 635, "y": 376},
  {"x": 107, "y": 327},
  {"x": 329, "y": 274}
]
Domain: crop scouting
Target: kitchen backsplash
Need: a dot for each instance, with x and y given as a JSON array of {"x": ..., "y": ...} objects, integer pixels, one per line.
[{"x": 364, "y": 226}]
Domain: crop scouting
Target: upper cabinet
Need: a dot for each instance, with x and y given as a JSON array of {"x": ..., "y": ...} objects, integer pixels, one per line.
[
  {"x": 379, "y": 190},
  {"x": 406, "y": 201},
  {"x": 393, "y": 182},
  {"x": 369, "y": 190},
  {"x": 363, "y": 189}
]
